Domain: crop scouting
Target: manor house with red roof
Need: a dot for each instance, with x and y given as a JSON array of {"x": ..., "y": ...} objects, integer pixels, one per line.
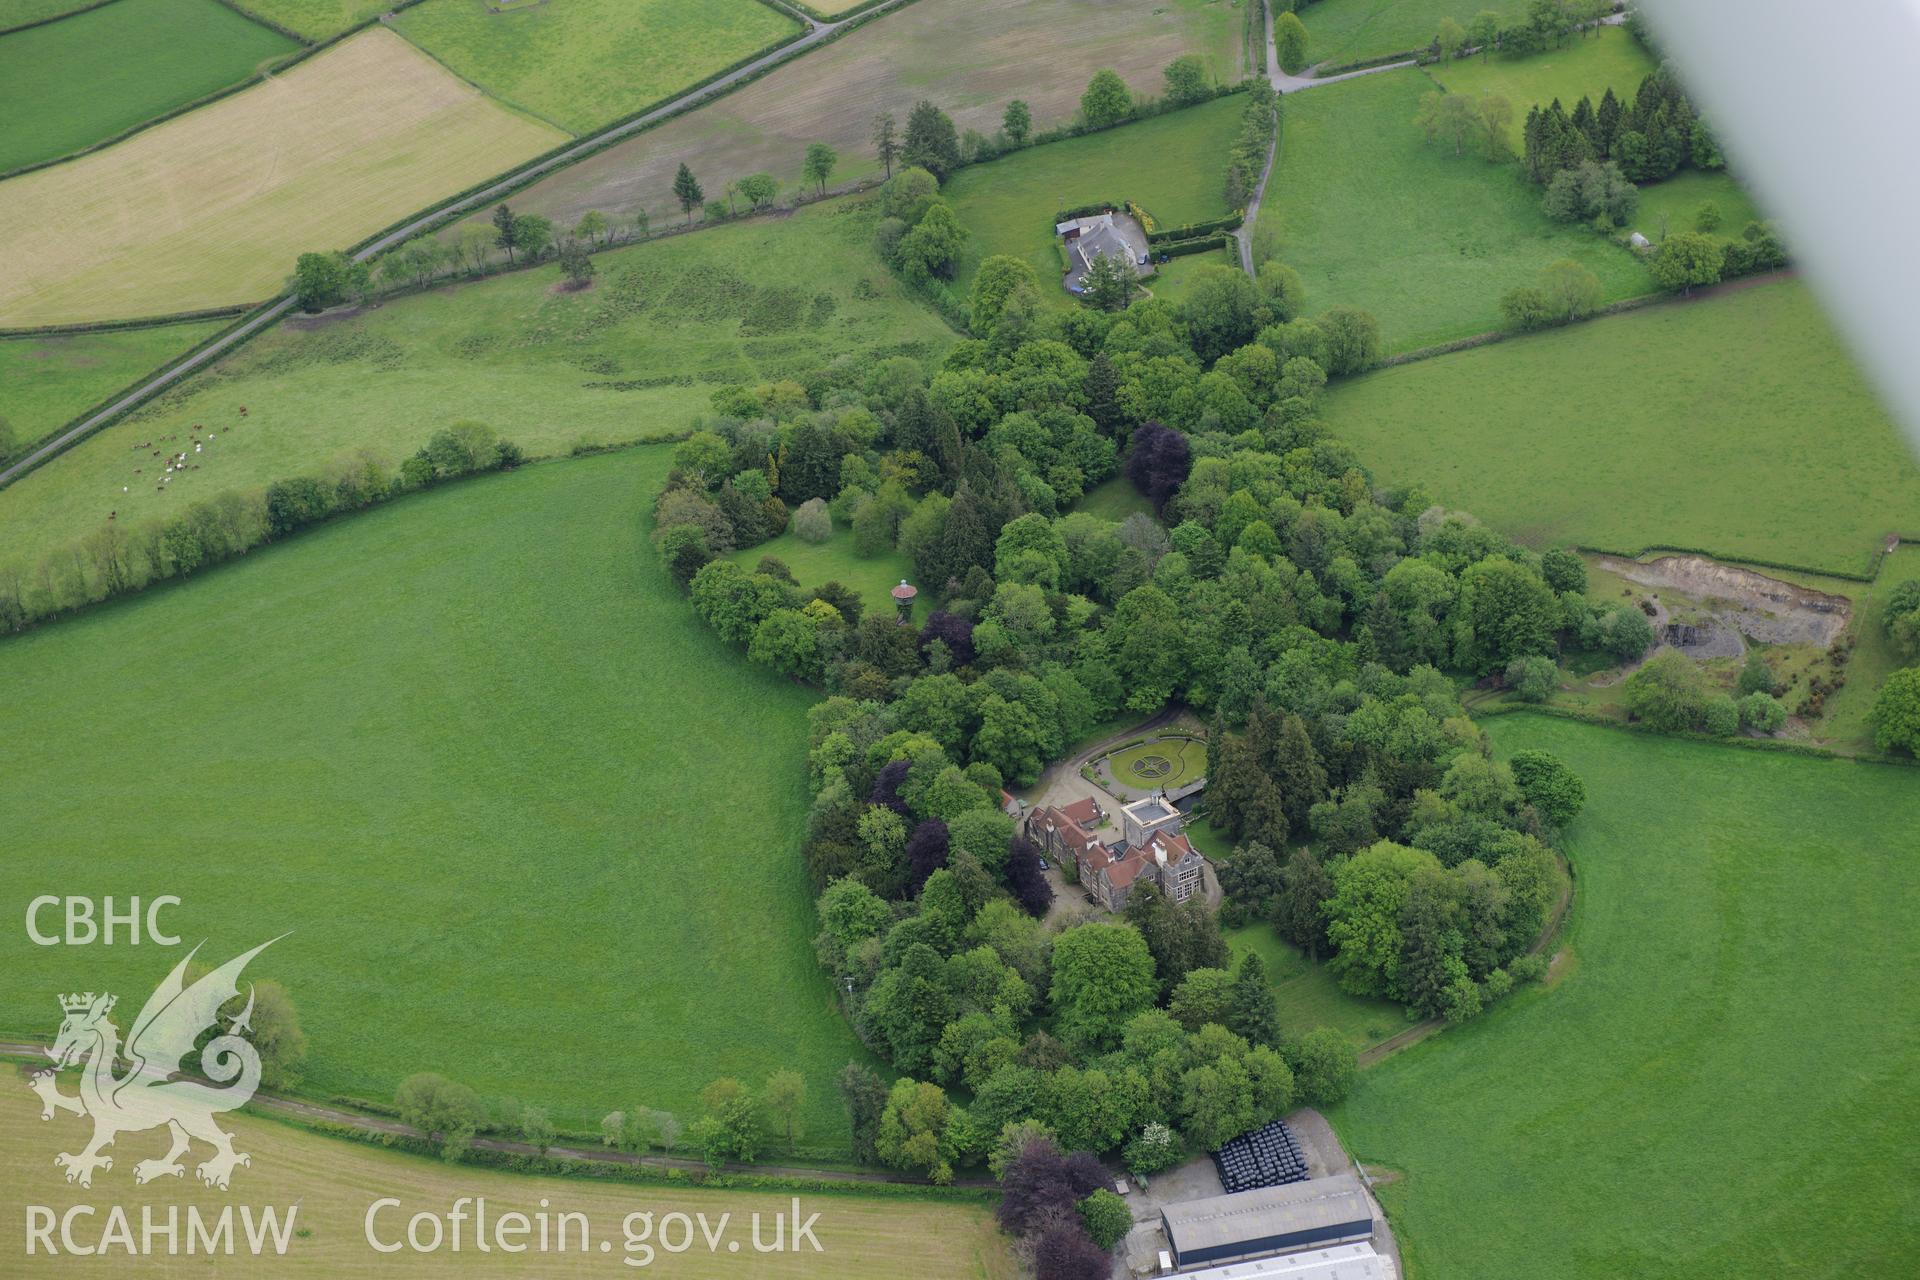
[{"x": 1151, "y": 848}]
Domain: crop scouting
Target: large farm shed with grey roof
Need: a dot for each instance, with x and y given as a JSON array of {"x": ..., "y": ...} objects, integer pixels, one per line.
[{"x": 1267, "y": 1220}]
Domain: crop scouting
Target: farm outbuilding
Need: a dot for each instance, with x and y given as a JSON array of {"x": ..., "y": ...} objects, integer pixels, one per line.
[
  {"x": 1322, "y": 1211},
  {"x": 1335, "y": 1262}
]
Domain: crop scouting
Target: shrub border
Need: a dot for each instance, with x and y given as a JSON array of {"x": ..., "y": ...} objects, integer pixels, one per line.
[
  {"x": 1782, "y": 746},
  {"x": 827, "y": 19},
  {"x": 56, "y": 17},
  {"x": 649, "y": 1175},
  {"x": 111, "y": 326}
]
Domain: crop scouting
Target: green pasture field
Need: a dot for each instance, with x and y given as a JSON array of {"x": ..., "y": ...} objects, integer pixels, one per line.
[
  {"x": 816, "y": 563},
  {"x": 1174, "y": 166},
  {"x": 1720, "y": 1084},
  {"x": 1588, "y": 64},
  {"x": 315, "y": 19},
  {"x": 1735, "y": 424},
  {"x": 1342, "y": 31},
  {"x": 464, "y": 747},
  {"x": 636, "y": 356},
  {"x": 46, "y": 382},
  {"x": 334, "y": 1182},
  {"x": 968, "y": 57},
  {"x": 1308, "y": 994},
  {"x": 1372, "y": 216},
  {"x": 72, "y": 83},
  {"x": 1675, "y": 203},
  {"x": 582, "y": 63}
]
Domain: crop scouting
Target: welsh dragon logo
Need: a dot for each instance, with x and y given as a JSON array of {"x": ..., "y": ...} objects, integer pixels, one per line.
[{"x": 151, "y": 1092}]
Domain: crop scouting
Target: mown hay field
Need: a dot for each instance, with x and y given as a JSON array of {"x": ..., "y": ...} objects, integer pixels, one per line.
[
  {"x": 636, "y": 356},
  {"x": 314, "y": 19},
  {"x": 45, "y": 382},
  {"x": 969, "y": 57},
  {"x": 1720, "y": 1083},
  {"x": 213, "y": 207},
  {"x": 581, "y": 63},
  {"x": 1736, "y": 424},
  {"x": 72, "y": 83},
  {"x": 1173, "y": 165},
  {"x": 464, "y": 746},
  {"x": 1373, "y": 216},
  {"x": 334, "y": 1181}
]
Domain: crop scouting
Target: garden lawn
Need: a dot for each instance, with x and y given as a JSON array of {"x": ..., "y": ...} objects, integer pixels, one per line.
[
  {"x": 529, "y": 823},
  {"x": 69, "y": 84},
  {"x": 1721, "y": 1084},
  {"x": 212, "y": 207},
  {"x": 1734, "y": 424},
  {"x": 333, "y": 1181},
  {"x": 582, "y": 63},
  {"x": 1343, "y": 31},
  {"x": 968, "y": 57},
  {"x": 1160, "y": 763},
  {"x": 1588, "y": 65},
  {"x": 315, "y": 19},
  {"x": 636, "y": 356},
  {"x": 1172, "y": 280},
  {"x": 1308, "y": 994},
  {"x": 817, "y": 563},
  {"x": 48, "y": 381},
  {"x": 1372, "y": 216},
  {"x": 1174, "y": 166},
  {"x": 1114, "y": 499}
]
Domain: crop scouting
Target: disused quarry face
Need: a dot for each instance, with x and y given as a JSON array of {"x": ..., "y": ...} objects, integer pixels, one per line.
[{"x": 1760, "y": 608}]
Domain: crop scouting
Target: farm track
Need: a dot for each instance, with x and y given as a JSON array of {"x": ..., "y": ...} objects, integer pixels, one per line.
[
  {"x": 309, "y": 1111},
  {"x": 817, "y": 33},
  {"x": 1284, "y": 83}
]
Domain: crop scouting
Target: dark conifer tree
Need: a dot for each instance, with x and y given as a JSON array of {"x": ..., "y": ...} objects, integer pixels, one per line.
[
  {"x": 1606, "y": 124},
  {"x": 1102, "y": 389}
]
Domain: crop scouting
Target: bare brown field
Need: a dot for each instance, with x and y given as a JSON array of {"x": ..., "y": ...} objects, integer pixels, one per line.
[
  {"x": 213, "y": 207},
  {"x": 333, "y": 1182},
  {"x": 970, "y": 57}
]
